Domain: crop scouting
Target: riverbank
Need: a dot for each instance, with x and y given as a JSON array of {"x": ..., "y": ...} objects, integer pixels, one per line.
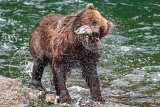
[{"x": 13, "y": 94}]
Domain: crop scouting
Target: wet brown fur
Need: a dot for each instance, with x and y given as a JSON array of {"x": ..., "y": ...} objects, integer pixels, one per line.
[{"x": 53, "y": 40}]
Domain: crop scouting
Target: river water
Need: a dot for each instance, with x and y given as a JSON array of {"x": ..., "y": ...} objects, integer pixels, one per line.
[{"x": 129, "y": 68}]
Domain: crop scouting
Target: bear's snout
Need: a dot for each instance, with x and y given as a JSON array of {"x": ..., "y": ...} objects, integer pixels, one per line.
[{"x": 96, "y": 32}]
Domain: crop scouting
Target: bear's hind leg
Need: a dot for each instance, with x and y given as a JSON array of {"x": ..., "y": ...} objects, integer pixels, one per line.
[{"x": 38, "y": 66}]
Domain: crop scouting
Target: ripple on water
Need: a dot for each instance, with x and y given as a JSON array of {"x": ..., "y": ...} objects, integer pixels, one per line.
[
  {"x": 29, "y": 3},
  {"x": 2, "y": 20},
  {"x": 119, "y": 83},
  {"x": 134, "y": 77},
  {"x": 156, "y": 15},
  {"x": 149, "y": 68},
  {"x": 77, "y": 89},
  {"x": 145, "y": 28}
]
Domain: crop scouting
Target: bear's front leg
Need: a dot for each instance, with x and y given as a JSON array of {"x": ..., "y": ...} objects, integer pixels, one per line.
[
  {"x": 91, "y": 77},
  {"x": 59, "y": 78}
]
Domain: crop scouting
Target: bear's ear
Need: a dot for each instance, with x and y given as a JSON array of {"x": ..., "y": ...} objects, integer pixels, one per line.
[{"x": 90, "y": 6}]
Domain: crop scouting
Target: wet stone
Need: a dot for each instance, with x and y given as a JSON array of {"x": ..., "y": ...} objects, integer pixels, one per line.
[
  {"x": 12, "y": 94},
  {"x": 34, "y": 96},
  {"x": 51, "y": 98}
]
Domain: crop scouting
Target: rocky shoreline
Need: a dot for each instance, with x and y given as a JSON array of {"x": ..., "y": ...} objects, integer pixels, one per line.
[{"x": 13, "y": 94}]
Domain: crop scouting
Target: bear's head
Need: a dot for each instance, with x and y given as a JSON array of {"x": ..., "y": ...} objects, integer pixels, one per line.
[
  {"x": 90, "y": 27},
  {"x": 83, "y": 29}
]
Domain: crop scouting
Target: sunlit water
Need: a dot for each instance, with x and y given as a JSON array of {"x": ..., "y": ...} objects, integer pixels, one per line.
[{"x": 129, "y": 68}]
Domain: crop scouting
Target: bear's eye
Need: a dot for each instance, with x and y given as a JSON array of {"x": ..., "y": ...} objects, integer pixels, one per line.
[
  {"x": 101, "y": 29},
  {"x": 93, "y": 22}
]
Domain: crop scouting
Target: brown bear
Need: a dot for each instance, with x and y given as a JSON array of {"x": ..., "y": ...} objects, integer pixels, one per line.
[{"x": 66, "y": 42}]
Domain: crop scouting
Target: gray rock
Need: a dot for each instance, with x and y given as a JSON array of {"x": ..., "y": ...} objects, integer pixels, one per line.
[{"x": 11, "y": 93}]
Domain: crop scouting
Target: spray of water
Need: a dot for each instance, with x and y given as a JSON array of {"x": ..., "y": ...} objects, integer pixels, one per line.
[{"x": 22, "y": 60}]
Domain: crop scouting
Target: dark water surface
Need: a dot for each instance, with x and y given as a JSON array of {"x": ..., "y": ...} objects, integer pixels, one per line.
[{"x": 129, "y": 67}]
